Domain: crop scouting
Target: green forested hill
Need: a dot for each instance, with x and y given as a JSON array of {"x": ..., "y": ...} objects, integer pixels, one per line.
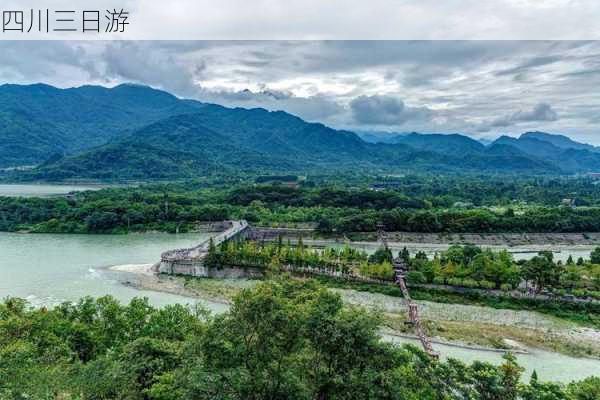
[
  {"x": 136, "y": 132},
  {"x": 440, "y": 142},
  {"x": 561, "y": 141},
  {"x": 568, "y": 155},
  {"x": 260, "y": 142},
  {"x": 37, "y": 121},
  {"x": 172, "y": 148}
]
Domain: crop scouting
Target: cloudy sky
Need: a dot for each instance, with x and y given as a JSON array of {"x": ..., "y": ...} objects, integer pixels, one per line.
[{"x": 481, "y": 88}]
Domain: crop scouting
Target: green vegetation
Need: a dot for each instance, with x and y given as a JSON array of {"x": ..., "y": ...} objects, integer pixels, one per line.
[
  {"x": 41, "y": 123},
  {"x": 468, "y": 266},
  {"x": 132, "y": 132},
  {"x": 280, "y": 340},
  {"x": 273, "y": 256},
  {"x": 347, "y": 204},
  {"x": 460, "y": 266}
]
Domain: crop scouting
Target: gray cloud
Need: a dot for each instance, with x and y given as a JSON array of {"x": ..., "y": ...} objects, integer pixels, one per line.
[
  {"x": 143, "y": 63},
  {"x": 313, "y": 108},
  {"x": 385, "y": 110},
  {"x": 530, "y": 64},
  {"x": 441, "y": 86},
  {"x": 540, "y": 112}
]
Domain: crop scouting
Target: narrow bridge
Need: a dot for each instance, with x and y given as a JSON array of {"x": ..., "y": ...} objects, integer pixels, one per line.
[
  {"x": 400, "y": 269},
  {"x": 194, "y": 256}
]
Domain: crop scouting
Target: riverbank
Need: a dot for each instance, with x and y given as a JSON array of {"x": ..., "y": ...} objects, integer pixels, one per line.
[{"x": 450, "y": 324}]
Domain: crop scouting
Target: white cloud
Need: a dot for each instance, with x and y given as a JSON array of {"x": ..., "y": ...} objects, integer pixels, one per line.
[
  {"x": 441, "y": 86},
  {"x": 385, "y": 110}
]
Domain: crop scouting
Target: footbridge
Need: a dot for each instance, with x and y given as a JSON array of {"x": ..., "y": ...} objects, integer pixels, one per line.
[
  {"x": 191, "y": 261},
  {"x": 400, "y": 270}
]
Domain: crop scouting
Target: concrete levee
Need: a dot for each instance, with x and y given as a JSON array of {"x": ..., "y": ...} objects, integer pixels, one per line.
[{"x": 191, "y": 261}]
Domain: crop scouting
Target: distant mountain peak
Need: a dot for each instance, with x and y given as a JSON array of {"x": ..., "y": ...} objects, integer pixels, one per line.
[
  {"x": 568, "y": 154},
  {"x": 136, "y": 131},
  {"x": 559, "y": 140}
]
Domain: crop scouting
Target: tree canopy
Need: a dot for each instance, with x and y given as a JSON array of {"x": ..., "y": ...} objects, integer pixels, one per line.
[{"x": 283, "y": 339}]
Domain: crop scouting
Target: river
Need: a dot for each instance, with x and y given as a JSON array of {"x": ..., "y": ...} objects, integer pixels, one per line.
[
  {"x": 548, "y": 365},
  {"x": 47, "y": 269},
  {"x": 43, "y": 190}
]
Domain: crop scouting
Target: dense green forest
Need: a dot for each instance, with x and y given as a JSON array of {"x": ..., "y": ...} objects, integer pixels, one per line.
[
  {"x": 280, "y": 340},
  {"x": 414, "y": 203}
]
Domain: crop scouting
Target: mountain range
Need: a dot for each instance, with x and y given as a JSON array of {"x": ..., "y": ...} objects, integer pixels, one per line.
[{"x": 133, "y": 132}]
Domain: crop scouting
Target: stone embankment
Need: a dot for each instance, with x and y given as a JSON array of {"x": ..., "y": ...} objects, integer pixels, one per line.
[{"x": 191, "y": 261}]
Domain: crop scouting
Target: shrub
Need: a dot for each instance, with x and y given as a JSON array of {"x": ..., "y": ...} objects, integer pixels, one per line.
[
  {"x": 586, "y": 389},
  {"x": 383, "y": 270},
  {"x": 506, "y": 287},
  {"x": 470, "y": 283},
  {"x": 487, "y": 284},
  {"x": 455, "y": 282},
  {"x": 415, "y": 277},
  {"x": 439, "y": 280}
]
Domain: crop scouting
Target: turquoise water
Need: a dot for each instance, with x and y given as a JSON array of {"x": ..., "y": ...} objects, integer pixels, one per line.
[{"x": 47, "y": 269}]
